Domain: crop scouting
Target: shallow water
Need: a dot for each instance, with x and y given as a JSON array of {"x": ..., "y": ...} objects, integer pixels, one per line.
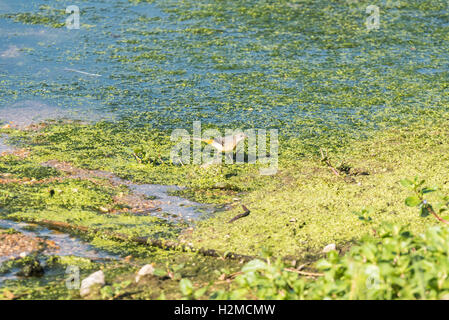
[
  {"x": 67, "y": 244},
  {"x": 27, "y": 112},
  {"x": 5, "y": 147},
  {"x": 175, "y": 207},
  {"x": 306, "y": 68},
  {"x": 168, "y": 207}
]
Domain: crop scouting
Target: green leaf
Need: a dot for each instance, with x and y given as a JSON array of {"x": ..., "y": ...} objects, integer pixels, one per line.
[
  {"x": 323, "y": 264},
  {"x": 186, "y": 287},
  {"x": 199, "y": 293},
  {"x": 254, "y": 265},
  {"x": 412, "y": 201},
  {"x": 428, "y": 190},
  {"x": 406, "y": 183},
  {"x": 160, "y": 272},
  {"x": 424, "y": 212}
]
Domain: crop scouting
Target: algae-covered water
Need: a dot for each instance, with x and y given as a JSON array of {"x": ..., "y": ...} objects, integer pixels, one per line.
[
  {"x": 308, "y": 68},
  {"x": 311, "y": 69}
]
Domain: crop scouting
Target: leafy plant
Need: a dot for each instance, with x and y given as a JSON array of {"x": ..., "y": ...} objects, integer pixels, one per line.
[
  {"x": 115, "y": 290},
  {"x": 394, "y": 264},
  {"x": 418, "y": 199},
  {"x": 365, "y": 215}
]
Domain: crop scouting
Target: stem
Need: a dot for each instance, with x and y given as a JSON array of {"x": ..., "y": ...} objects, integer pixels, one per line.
[
  {"x": 429, "y": 207},
  {"x": 310, "y": 274},
  {"x": 325, "y": 159}
]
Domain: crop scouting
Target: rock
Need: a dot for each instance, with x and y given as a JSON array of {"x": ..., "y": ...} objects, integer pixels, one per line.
[
  {"x": 31, "y": 268},
  {"x": 104, "y": 209},
  {"x": 146, "y": 270},
  {"x": 23, "y": 254},
  {"x": 329, "y": 248},
  {"x": 93, "y": 279}
]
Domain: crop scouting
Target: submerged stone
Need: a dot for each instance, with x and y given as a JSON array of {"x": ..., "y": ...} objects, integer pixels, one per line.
[
  {"x": 93, "y": 279},
  {"x": 146, "y": 270},
  {"x": 31, "y": 268},
  {"x": 329, "y": 248}
]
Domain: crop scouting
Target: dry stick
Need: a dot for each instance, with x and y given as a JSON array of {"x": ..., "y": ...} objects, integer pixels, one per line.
[
  {"x": 244, "y": 214},
  {"x": 137, "y": 158},
  {"x": 326, "y": 160},
  {"x": 310, "y": 274}
]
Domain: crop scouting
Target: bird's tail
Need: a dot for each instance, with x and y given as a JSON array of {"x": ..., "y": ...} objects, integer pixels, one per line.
[{"x": 208, "y": 141}]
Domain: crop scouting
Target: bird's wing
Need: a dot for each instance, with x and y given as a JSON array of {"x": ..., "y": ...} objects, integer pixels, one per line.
[{"x": 220, "y": 140}]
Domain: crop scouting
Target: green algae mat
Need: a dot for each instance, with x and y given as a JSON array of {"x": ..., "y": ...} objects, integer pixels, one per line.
[{"x": 107, "y": 96}]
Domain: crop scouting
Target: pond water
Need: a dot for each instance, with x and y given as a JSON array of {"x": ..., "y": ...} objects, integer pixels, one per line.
[
  {"x": 4, "y": 147},
  {"x": 66, "y": 245},
  {"x": 305, "y": 67},
  {"x": 173, "y": 207}
]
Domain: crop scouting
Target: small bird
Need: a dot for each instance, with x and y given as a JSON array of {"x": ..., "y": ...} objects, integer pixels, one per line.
[{"x": 225, "y": 144}]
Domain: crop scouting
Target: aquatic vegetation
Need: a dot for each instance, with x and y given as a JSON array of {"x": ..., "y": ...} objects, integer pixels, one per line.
[
  {"x": 394, "y": 264},
  {"x": 46, "y": 15},
  {"x": 376, "y": 101}
]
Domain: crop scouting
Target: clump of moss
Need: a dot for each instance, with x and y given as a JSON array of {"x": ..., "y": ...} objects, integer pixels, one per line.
[{"x": 46, "y": 15}]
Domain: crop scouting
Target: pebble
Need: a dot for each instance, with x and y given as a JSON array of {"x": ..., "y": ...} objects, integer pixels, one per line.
[
  {"x": 147, "y": 269},
  {"x": 329, "y": 248},
  {"x": 93, "y": 279},
  {"x": 20, "y": 245}
]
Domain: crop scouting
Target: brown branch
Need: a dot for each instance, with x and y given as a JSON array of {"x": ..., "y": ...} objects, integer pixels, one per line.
[
  {"x": 244, "y": 214},
  {"x": 429, "y": 207},
  {"x": 304, "y": 273},
  {"x": 325, "y": 159}
]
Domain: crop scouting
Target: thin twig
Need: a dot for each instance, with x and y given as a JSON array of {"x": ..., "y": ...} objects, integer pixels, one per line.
[
  {"x": 244, "y": 214},
  {"x": 325, "y": 159},
  {"x": 429, "y": 207},
  {"x": 310, "y": 274},
  {"x": 137, "y": 158}
]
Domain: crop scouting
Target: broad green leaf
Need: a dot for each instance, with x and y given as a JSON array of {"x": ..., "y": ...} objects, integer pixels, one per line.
[
  {"x": 160, "y": 272},
  {"x": 406, "y": 183},
  {"x": 254, "y": 265},
  {"x": 428, "y": 190},
  {"x": 412, "y": 201},
  {"x": 424, "y": 212},
  {"x": 200, "y": 292},
  {"x": 186, "y": 287}
]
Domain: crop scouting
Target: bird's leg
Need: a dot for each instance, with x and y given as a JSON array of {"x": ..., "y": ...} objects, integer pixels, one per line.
[{"x": 230, "y": 157}]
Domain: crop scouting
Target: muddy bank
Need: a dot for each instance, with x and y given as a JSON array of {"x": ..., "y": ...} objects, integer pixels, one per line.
[
  {"x": 33, "y": 237},
  {"x": 151, "y": 199},
  {"x": 14, "y": 245}
]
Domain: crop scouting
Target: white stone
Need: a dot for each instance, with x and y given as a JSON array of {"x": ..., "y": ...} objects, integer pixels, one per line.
[
  {"x": 329, "y": 248},
  {"x": 94, "y": 278},
  {"x": 147, "y": 269},
  {"x": 23, "y": 254}
]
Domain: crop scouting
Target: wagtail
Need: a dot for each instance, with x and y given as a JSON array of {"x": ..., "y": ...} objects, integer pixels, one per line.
[{"x": 225, "y": 144}]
